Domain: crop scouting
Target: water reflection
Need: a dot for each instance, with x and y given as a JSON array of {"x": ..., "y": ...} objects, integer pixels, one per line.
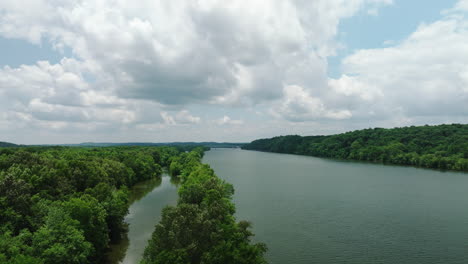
[
  {"x": 118, "y": 249},
  {"x": 175, "y": 180},
  {"x": 141, "y": 189},
  {"x": 147, "y": 199}
]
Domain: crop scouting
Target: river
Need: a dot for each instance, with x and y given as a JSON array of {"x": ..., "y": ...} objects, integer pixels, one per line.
[
  {"x": 312, "y": 210},
  {"x": 147, "y": 199}
]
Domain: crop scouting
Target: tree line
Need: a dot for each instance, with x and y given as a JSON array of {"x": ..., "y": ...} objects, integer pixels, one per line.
[
  {"x": 442, "y": 147},
  {"x": 65, "y": 205}
]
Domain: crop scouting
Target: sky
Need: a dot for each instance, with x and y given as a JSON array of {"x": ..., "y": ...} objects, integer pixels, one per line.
[{"x": 227, "y": 71}]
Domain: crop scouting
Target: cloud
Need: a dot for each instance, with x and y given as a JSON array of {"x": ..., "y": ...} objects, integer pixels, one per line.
[
  {"x": 424, "y": 75},
  {"x": 420, "y": 79},
  {"x": 188, "y": 52},
  {"x": 138, "y": 66},
  {"x": 462, "y": 5},
  {"x": 298, "y": 105},
  {"x": 182, "y": 117},
  {"x": 226, "y": 120},
  {"x": 58, "y": 96},
  {"x": 349, "y": 86},
  {"x": 56, "y": 82}
]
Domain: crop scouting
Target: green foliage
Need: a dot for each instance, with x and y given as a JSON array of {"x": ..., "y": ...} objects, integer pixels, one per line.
[
  {"x": 175, "y": 169},
  {"x": 60, "y": 240},
  {"x": 17, "y": 249},
  {"x": 15, "y": 199},
  {"x": 440, "y": 147},
  {"x": 202, "y": 227},
  {"x": 115, "y": 204},
  {"x": 91, "y": 216},
  {"x": 64, "y": 205}
]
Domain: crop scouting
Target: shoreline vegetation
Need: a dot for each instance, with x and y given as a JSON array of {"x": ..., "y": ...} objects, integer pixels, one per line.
[
  {"x": 443, "y": 147},
  {"x": 67, "y": 204}
]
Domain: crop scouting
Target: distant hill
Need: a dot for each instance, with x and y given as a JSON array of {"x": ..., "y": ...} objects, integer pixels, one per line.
[
  {"x": 203, "y": 144},
  {"x": 141, "y": 144},
  {"x": 440, "y": 147},
  {"x": 7, "y": 144}
]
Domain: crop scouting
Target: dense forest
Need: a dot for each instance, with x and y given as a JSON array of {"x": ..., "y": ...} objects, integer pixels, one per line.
[
  {"x": 442, "y": 147},
  {"x": 65, "y": 205},
  {"x": 201, "y": 228}
]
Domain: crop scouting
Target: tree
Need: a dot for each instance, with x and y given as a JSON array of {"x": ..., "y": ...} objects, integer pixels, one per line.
[
  {"x": 60, "y": 240},
  {"x": 15, "y": 199},
  {"x": 17, "y": 249},
  {"x": 91, "y": 217}
]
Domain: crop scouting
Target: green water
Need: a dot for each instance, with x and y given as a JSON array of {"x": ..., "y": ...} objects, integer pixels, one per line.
[
  {"x": 311, "y": 210},
  {"x": 147, "y": 200}
]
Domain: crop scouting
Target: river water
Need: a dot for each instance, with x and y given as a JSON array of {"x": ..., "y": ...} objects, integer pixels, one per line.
[
  {"x": 147, "y": 200},
  {"x": 311, "y": 210}
]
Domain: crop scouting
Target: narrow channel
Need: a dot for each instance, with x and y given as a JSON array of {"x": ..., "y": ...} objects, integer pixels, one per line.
[{"x": 147, "y": 201}]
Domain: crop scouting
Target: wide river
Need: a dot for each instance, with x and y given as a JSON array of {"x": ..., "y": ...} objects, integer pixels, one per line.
[{"x": 312, "y": 210}]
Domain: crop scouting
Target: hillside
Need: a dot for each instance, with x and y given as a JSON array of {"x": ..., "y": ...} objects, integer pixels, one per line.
[
  {"x": 440, "y": 147},
  {"x": 7, "y": 144}
]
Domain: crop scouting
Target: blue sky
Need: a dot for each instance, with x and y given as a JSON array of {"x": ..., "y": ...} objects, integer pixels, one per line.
[
  {"x": 15, "y": 52},
  {"x": 210, "y": 70},
  {"x": 392, "y": 23}
]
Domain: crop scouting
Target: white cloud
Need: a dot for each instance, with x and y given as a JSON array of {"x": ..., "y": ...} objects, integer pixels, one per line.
[
  {"x": 182, "y": 117},
  {"x": 168, "y": 119},
  {"x": 299, "y": 105},
  {"x": 425, "y": 75},
  {"x": 180, "y": 52},
  {"x": 185, "y": 117},
  {"x": 349, "y": 86},
  {"x": 58, "y": 96},
  {"x": 226, "y": 120},
  {"x": 462, "y": 5}
]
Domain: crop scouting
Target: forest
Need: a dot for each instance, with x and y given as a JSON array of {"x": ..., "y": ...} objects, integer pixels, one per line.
[
  {"x": 443, "y": 147},
  {"x": 67, "y": 204}
]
